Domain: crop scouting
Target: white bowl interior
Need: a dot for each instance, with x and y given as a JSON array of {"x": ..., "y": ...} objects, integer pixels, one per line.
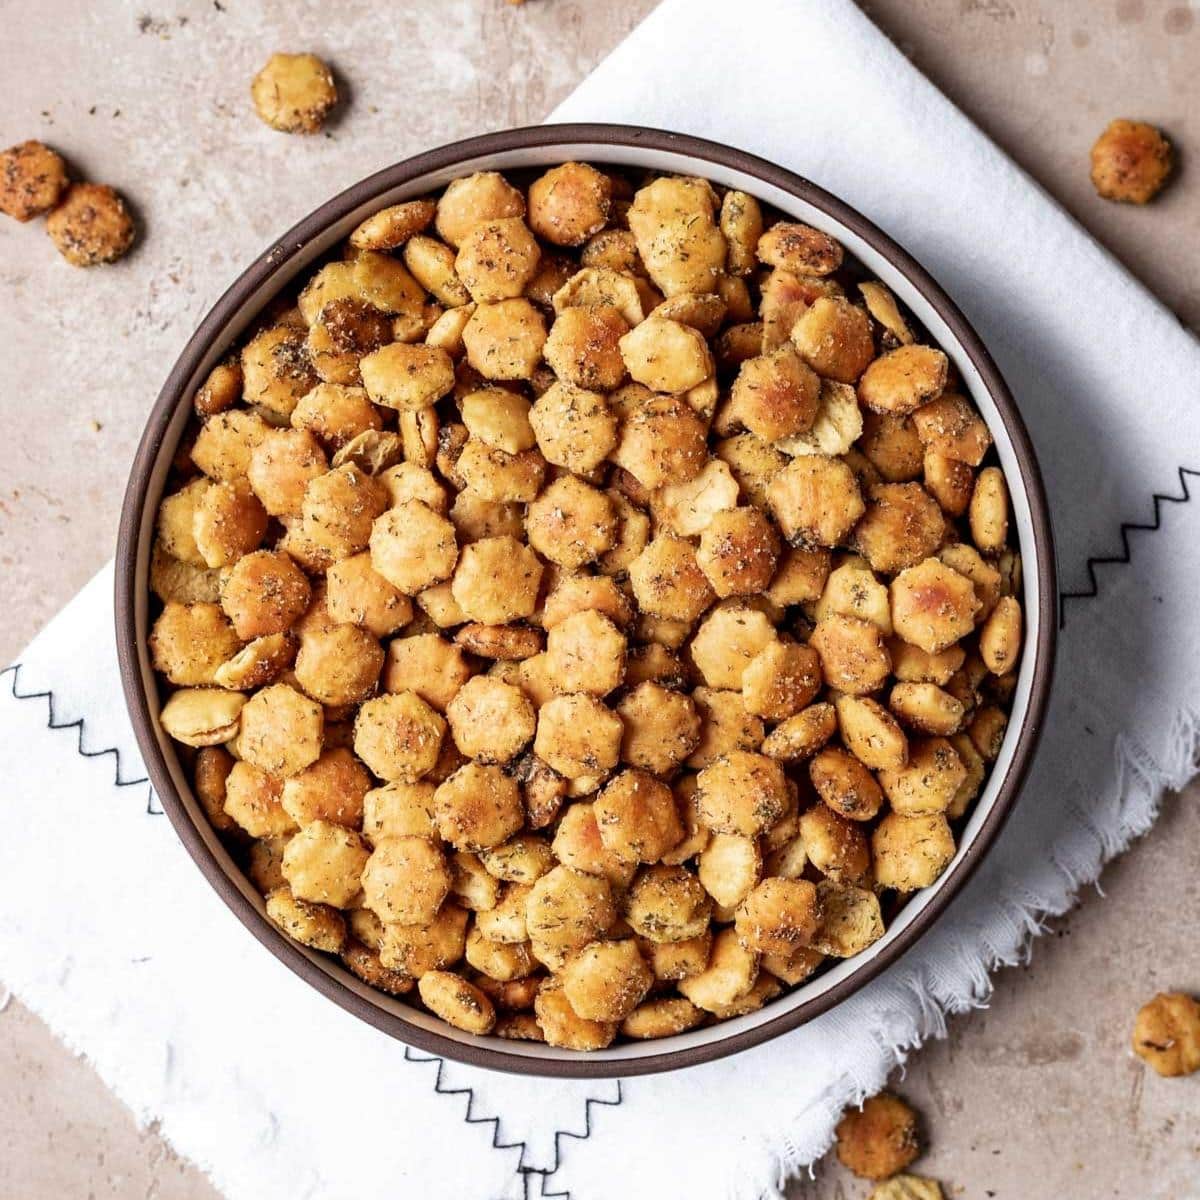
[{"x": 682, "y": 163}]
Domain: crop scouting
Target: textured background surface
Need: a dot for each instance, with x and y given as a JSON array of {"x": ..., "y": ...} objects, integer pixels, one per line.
[{"x": 1035, "y": 1098}]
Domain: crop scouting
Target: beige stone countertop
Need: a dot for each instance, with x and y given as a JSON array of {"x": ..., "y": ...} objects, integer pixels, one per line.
[{"x": 1035, "y": 1097}]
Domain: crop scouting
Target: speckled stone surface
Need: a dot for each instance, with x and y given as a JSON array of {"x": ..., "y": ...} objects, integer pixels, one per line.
[{"x": 1036, "y": 1098}]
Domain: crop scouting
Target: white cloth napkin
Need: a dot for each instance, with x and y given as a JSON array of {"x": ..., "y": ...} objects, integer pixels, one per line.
[{"x": 110, "y": 933}]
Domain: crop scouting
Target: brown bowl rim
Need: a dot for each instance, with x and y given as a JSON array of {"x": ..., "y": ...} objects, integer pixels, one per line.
[{"x": 296, "y": 958}]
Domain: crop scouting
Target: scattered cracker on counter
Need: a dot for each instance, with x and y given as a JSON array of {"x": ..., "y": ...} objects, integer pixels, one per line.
[
  {"x": 294, "y": 93},
  {"x": 908, "y": 1187},
  {"x": 879, "y": 1139},
  {"x": 32, "y": 177},
  {"x": 1166, "y": 1034},
  {"x": 1131, "y": 161},
  {"x": 92, "y": 225}
]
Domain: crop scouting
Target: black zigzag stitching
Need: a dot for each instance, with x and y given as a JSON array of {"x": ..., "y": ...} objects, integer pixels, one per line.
[
  {"x": 526, "y": 1172},
  {"x": 559, "y": 1134},
  {"x": 469, "y": 1117},
  {"x": 79, "y": 726},
  {"x": 1127, "y": 528}
]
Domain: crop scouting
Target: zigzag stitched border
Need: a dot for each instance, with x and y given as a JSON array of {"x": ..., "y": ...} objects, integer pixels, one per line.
[
  {"x": 1127, "y": 528},
  {"x": 79, "y": 725},
  {"x": 559, "y": 1134},
  {"x": 525, "y": 1172}
]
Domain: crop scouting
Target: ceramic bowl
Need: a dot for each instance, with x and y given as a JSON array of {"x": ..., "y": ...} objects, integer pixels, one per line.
[{"x": 630, "y": 147}]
